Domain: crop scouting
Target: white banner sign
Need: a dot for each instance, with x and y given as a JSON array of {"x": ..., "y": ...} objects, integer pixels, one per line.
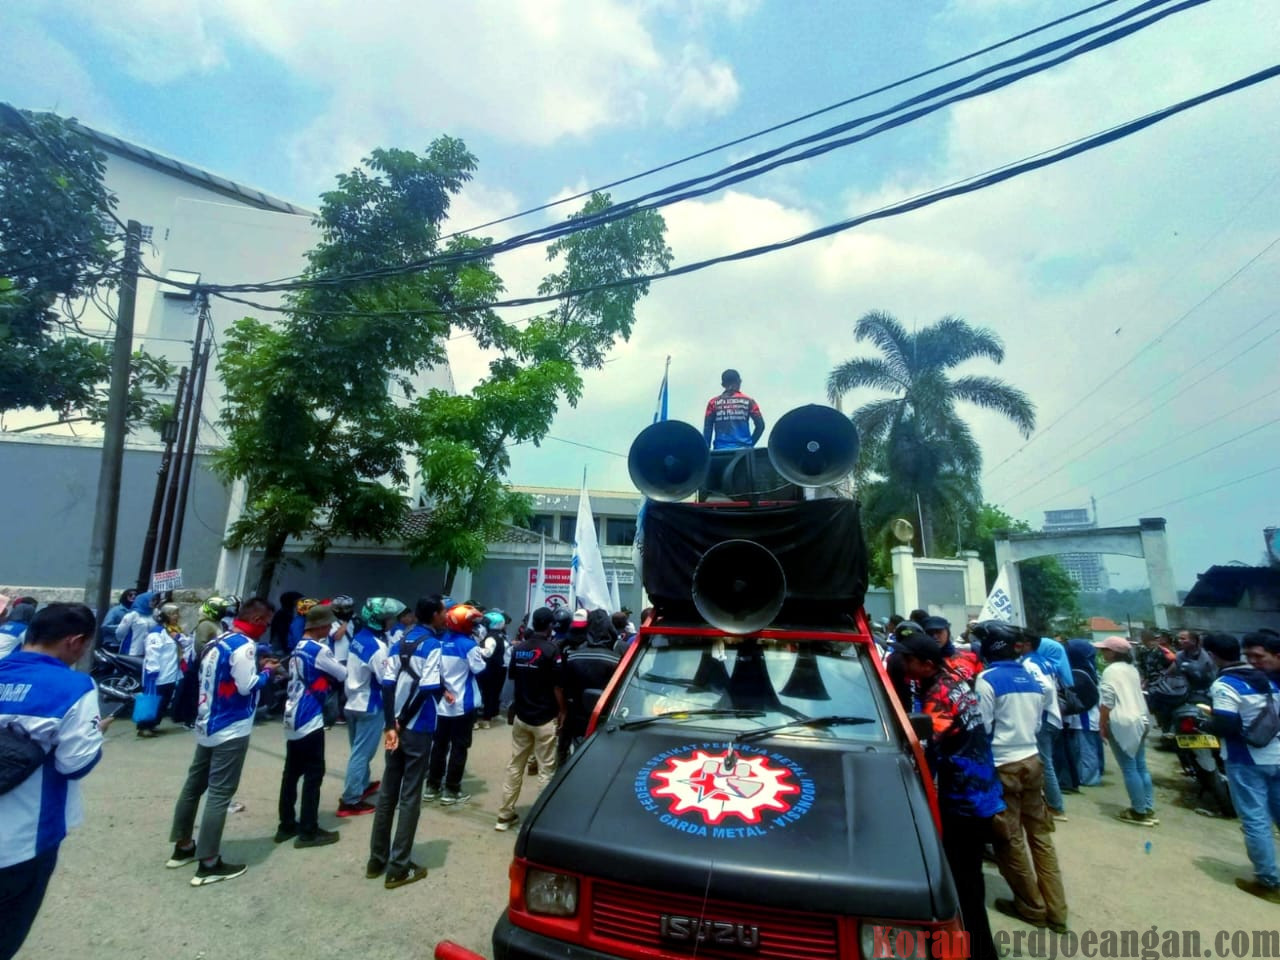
[
  {"x": 166, "y": 580},
  {"x": 554, "y": 593}
]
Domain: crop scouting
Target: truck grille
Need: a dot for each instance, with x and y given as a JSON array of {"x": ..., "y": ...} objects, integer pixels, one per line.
[{"x": 630, "y": 915}]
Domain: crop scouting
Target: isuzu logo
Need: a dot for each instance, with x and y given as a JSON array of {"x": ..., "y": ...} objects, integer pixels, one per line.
[{"x": 713, "y": 933}]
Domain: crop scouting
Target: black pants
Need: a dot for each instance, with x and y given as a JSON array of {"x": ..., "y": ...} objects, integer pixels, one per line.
[
  {"x": 22, "y": 888},
  {"x": 962, "y": 841},
  {"x": 400, "y": 796},
  {"x": 303, "y": 758},
  {"x": 187, "y": 700},
  {"x": 491, "y": 681},
  {"x": 449, "y": 749}
]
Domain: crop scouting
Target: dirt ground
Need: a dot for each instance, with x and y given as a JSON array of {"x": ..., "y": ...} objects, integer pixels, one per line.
[{"x": 112, "y": 897}]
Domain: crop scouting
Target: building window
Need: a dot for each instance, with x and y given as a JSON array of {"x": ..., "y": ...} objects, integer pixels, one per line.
[
  {"x": 541, "y": 523},
  {"x": 620, "y": 532},
  {"x": 146, "y": 233},
  {"x": 569, "y": 526}
]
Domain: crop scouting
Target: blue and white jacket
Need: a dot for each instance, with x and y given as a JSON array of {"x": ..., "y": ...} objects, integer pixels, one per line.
[
  {"x": 133, "y": 628},
  {"x": 160, "y": 658},
  {"x": 314, "y": 673},
  {"x": 1012, "y": 703},
  {"x": 229, "y": 686},
  {"x": 58, "y": 709},
  {"x": 461, "y": 658},
  {"x": 1232, "y": 693},
  {"x": 364, "y": 672},
  {"x": 399, "y": 688}
]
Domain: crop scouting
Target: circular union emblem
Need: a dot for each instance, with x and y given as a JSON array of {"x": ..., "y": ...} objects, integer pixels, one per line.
[{"x": 694, "y": 787}]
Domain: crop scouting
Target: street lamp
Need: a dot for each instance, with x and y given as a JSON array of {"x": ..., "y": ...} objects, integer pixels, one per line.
[{"x": 169, "y": 431}]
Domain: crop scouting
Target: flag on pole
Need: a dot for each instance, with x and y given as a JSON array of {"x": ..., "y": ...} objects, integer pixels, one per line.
[
  {"x": 615, "y": 601},
  {"x": 541, "y": 591},
  {"x": 660, "y": 411},
  {"x": 999, "y": 604},
  {"x": 590, "y": 586}
]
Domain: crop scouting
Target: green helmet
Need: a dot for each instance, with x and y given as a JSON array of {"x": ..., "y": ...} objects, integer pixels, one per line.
[
  {"x": 377, "y": 610},
  {"x": 215, "y": 608}
]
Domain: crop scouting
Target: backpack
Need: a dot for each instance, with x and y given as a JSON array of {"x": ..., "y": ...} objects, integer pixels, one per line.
[
  {"x": 1265, "y": 727},
  {"x": 20, "y": 757},
  {"x": 1080, "y": 698}
]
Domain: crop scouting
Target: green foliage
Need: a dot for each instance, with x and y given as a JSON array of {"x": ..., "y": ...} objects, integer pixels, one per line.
[
  {"x": 57, "y": 247},
  {"x": 1119, "y": 605},
  {"x": 321, "y": 409},
  {"x": 918, "y": 456}
]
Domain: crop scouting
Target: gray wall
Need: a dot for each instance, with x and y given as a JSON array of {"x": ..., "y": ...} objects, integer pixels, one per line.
[
  {"x": 50, "y": 490},
  {"x": 358, "y": 575}
]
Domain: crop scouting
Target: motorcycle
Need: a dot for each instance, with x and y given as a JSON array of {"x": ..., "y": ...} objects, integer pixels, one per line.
[
  {"x": 118, "y": 677},
  {"x": 1200, "y": 755}
]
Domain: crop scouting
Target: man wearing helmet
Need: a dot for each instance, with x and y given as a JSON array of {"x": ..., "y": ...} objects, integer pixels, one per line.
[
  {"x": 364, "y": 702},
  {"x": 495, "y": 670},
  {"x": 209, "y": 626},
  {"x": 460, "y": 660},
  {"x": 344, "y": 609}
]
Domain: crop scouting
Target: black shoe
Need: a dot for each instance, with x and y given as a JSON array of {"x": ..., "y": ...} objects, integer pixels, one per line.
[
  {"x": 219, "y": 871},
  {"x": 374, "y": 869},
  {"x": 181, "y": 856},
  {"x": 321, "y": 838},
  {"x": 284, "y": 833},
  {"x": 412, "y": 875}
]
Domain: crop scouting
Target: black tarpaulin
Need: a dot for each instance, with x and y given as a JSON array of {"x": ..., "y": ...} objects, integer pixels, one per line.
[{"x": 818, "y": 543}]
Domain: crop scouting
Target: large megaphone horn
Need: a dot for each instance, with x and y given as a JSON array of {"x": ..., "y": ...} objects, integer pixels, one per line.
[
  {"x": 739, "y": 586},
  {"x": 813, "y": 445},
  {"x": 668, "y": 460}
]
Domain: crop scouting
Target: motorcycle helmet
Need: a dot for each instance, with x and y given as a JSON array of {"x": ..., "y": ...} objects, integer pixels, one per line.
[
  {"x": 495, "y": 620},
  {"x": 462, "y": 617},
  {"x": 215, "y": 608},
  {"x": 168, "y": 613},
  {"x": 303, "y": 605},
  {"x": 378, "y": 610},
  {"x": 232, "y": 605},
  {"x": 561, "y": 618},
  {"x": 343, "y": 607}
]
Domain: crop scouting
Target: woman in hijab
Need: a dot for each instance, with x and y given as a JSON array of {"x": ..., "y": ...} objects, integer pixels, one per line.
[
  {"x": 1083, "y": 741},
  {"x": 14, "y": 629}
]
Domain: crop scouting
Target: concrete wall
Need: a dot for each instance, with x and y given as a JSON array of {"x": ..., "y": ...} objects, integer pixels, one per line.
[
  {"x": 371, "y": 573},
  {"x": 1224, "y": 619},
  {"x": 504, "y": 582},
  {"x": 49, "y": 489}
]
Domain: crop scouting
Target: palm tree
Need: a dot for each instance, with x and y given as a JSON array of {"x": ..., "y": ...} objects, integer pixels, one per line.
[{"x": 915, "y": 443}]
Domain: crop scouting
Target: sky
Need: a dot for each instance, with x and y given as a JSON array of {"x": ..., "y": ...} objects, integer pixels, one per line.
[{"x": 1134, "y": 287}]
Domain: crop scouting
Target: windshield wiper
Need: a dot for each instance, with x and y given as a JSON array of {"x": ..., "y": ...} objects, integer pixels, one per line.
[
  {"x": 686, "y": 714},
  {"x": 831, "y": 720}
]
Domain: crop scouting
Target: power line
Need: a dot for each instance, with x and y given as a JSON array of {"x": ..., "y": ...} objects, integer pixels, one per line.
[
  {"x": 755, "y": 166},
  {"x": 961, "y": 188},
  {"x": 1201, "y": 493},
  {"x": 1147, "y": 346},
  {"x": 1110, "y": 437}
]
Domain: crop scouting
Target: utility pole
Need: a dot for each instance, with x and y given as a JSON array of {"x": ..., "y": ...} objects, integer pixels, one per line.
[
  {"x": 102, "y": 547},
  {"x": 171, "y": 498},
  {"x": 188, "y": 463},
  {"x": 169, "y": 434}
]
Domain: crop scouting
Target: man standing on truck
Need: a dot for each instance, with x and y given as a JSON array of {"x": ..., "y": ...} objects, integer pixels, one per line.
[
  {"x": 733, "y": 420},
  {"x": 969, "y": 792},
  {"x": 1012, "y": 703}
]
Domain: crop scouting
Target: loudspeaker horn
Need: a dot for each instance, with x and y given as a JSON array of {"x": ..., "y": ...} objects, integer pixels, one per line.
[
  {"x": 813, "y": 445},
  {"x": 739, "y": 586},
  {"x": 805, "y": 682},
  {"x": 668, "y": 460}
]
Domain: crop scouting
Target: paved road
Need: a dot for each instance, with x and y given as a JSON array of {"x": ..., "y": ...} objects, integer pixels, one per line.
[{"x": 112, "y": 897}]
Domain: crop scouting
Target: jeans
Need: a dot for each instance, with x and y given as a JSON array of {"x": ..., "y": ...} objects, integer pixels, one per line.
[
  {"x": 1136, "y": 779},
  {"x": 22, "y": 887},
  {"x": 963, "y": 839},
  {"x": 1255, "y": 791},
  {"x": 1046, "y": 739},
  {"x": 540, "y": 741},
  {"x": 217, "y": 771},
  {"x": 1084, "y": 752},
  {"x": 303, "y": 758},
  {"x": 1036, "y": 881},
  {"x": 364, "y": 733},
  {"x": 400, "y": 796},
  {"x": 449, "y": 749}
]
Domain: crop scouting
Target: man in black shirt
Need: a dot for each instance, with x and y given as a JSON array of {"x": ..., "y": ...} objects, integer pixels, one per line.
[
  {"x": 539, "y": 712},
  {"x": 584, "y": 673}
]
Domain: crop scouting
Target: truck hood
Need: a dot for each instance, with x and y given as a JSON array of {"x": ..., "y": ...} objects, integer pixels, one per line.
[{"x": 836, "y": 829}]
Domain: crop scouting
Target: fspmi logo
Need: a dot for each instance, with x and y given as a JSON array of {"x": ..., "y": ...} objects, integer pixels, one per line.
[{"x": 14, "y": 692}]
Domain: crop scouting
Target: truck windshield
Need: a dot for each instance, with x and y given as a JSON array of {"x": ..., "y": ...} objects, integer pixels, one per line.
[{"x": 735, "y": 685}]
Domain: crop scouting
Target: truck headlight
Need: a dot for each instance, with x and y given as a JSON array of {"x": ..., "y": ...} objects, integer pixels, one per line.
[{"x": 551, "y": 893}]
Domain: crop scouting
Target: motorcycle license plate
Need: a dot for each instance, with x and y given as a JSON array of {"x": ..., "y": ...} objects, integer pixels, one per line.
[{"x": 1197, "y": 741}]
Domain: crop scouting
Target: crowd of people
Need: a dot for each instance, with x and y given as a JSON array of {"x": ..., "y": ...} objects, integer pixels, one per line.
[{"x": 1019, "y": 720}]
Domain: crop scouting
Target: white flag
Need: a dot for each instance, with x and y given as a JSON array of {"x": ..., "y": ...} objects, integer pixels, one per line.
[
  {"x": 999, "y": 605},
  {"x": 615, "y": 602},
  {"x": 590, "y": 587}
]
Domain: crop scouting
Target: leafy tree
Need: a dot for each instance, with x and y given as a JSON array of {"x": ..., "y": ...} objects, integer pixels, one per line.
[
  {"x": 57, "y": 250},
  {"x": 915, "y": 441},
  {"x": 463, "y": 440}
]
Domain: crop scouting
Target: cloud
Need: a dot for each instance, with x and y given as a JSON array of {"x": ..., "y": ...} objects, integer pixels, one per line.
[
  {"x": 38, "y": 72},
  {"x": 702, "y": 86}
]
